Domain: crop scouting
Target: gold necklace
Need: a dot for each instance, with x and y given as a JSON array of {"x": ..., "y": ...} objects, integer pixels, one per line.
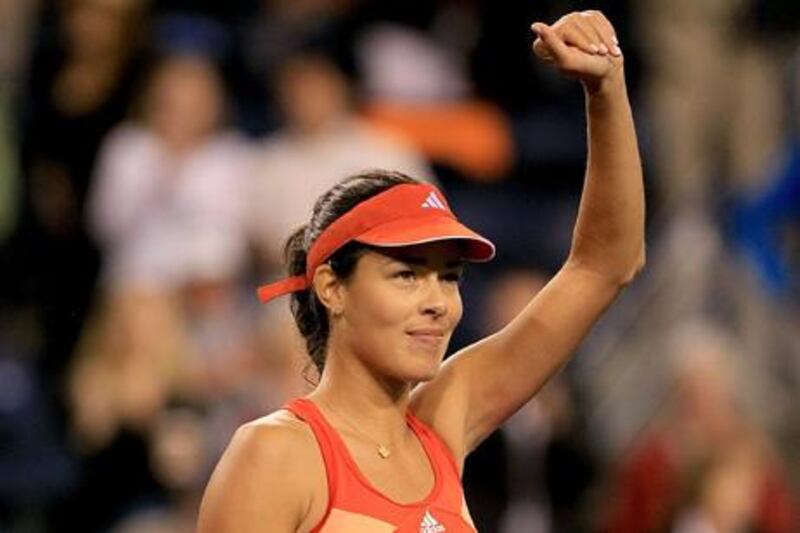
[{"x": 383, "y": 451}]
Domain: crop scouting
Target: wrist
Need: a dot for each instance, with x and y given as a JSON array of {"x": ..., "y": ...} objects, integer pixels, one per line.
[{"x": 611, "y": 83}]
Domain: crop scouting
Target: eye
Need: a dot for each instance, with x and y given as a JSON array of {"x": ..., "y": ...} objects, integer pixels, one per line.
[
  {"x": 453, "y": 277},
  {"x": 406, "y": 275}
]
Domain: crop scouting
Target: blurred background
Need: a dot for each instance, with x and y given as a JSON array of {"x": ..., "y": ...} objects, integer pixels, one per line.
[{"x": 155, "y": 153}]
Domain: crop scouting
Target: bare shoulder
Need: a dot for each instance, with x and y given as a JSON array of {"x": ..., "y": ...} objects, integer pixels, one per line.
[
  {"x": 270, "y": 478},
  {"x": 276, "y": 434}
]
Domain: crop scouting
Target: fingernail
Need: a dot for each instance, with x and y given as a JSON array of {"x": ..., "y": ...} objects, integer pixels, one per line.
[
  {"x": 603, "y": 49},
  {"x": 593, "y": 48},
  {"x": 617, "y": 50},
  {"x": 614, "y": 39}
]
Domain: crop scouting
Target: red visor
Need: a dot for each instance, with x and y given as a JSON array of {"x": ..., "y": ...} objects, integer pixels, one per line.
[{"x": 404, "y": 215}]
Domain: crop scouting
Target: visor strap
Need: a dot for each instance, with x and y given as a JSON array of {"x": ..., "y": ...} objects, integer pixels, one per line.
[{"x": 284, "y": 286}]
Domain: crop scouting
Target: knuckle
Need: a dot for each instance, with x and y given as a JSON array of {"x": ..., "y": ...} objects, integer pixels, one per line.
[{"x": 599, "y": 16}]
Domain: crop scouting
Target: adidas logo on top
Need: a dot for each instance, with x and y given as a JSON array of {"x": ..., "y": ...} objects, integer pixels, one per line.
[
  {"x": 429, "y": 524},
  {"x": 433, "y": 202}
]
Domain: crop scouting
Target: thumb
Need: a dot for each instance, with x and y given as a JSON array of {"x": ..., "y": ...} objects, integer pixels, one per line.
[{"x": 550, "y": 38}]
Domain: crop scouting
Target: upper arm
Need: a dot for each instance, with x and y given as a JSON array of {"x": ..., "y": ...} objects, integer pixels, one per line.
[
  {"x": 257, "y": 485},
  {"x": 482, "y": 385}
]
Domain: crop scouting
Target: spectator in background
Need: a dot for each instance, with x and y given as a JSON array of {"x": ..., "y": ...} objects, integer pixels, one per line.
[
  {"x": 494, "y": 470},
  {"x": 167, "y": 211},
  {"x": 128, "y": 364},
  {"x": 274, "y": 33},
  {"x": 169, "y": 190},
  {"x": 547, "y": 468},
  {"x": 700, "y": 454},
  {"x": 416, "y": 84},
  {"x": 693, "y": 53},
  {"x": 322, "y": 142},
  {"x": 79, "y": 86},
  {"x": 126, "y": 367},
  {"x": 724, "y": 496}
]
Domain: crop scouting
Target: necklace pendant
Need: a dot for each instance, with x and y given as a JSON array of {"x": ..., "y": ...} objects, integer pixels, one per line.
[{"x": 383, "y": 451}]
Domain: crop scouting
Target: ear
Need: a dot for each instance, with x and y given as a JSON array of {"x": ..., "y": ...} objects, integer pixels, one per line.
[{"x": 329, "y": 289}]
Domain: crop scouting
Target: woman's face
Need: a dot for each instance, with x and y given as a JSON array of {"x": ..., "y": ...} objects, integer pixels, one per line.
[
  {"x": 400, "y": 308},
  {"x": 313, "y": 94},
  {"x": 186, "y": 101}
]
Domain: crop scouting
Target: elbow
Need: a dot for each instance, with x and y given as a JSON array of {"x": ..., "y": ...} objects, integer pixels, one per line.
[
  {"x": 634, "y": 272},
  {"x": 622, "y": 275}
]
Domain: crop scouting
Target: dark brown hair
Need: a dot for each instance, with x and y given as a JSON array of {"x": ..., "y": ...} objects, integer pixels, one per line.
[{"x": 309, "y": 313}]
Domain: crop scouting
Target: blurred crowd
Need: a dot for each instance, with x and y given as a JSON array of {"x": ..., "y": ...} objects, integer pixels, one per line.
[{"x": 154, "y": 155}]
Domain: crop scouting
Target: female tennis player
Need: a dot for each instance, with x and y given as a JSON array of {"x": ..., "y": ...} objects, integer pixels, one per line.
[{"x": 379, "y": 445}]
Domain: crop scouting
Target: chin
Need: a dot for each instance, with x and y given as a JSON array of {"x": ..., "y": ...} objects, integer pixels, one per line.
[
  {"x": 423, "y": 369},
  {"x": 427, "y": 375}
]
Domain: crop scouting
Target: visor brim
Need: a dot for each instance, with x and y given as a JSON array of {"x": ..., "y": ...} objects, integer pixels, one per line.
[{"x": 410, "y": 232}]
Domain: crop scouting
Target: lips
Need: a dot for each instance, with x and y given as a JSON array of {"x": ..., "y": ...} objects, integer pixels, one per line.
[
  {"x": 427, "y": 332},
  {"x": 431, "y": 337}
]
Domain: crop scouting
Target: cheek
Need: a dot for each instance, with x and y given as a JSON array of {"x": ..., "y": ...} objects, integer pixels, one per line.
[
  {"x": 455, "y": 306},
  {"x": 457, "y": 314},
  {"x": 457, "y": 309},
  {"x": 381, "y": 309}
]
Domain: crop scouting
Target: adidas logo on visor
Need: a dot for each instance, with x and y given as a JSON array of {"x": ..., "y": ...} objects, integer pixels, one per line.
[
  {"x": 433, "y": 202},
  {"x": 429, "y": 524}
]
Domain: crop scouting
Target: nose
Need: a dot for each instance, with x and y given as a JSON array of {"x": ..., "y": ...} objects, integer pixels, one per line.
[{"x": 434, "y": 301}]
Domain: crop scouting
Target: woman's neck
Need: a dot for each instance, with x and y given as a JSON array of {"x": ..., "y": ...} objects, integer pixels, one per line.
[{"x": 357, "y": 396}]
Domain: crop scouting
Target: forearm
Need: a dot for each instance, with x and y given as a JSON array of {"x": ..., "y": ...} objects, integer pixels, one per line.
[
  {"x": 609, "y": 233},
  {"x": 502, "y": 372}
]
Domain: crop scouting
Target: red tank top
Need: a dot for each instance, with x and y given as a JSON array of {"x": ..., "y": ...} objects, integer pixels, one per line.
[{"x": 355, "y": 506}]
